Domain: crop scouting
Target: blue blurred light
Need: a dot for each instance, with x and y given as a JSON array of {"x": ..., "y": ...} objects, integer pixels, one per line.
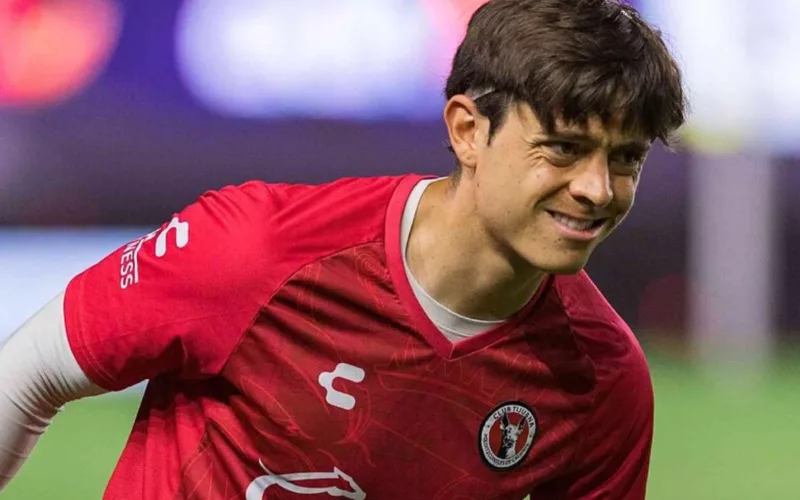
[
  {"x": 742, "y": 69},
  {"x": 348, "y": 59}
]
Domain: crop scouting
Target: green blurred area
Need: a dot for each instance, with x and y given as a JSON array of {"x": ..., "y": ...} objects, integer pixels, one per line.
[{"x": 729, "y": 434}]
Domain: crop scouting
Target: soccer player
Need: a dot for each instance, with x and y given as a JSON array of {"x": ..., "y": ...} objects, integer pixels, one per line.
[{"x": 397, "y": 337}]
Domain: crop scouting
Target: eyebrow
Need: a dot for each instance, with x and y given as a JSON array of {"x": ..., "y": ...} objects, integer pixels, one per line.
[{"x": 589, "y": 139}]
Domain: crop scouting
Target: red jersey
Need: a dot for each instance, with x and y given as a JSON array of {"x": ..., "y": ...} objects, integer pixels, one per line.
[{"x": 288, "y": 358}]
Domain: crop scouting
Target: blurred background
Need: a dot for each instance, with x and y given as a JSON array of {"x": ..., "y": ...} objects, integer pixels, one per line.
[{"x": 115, "y": 114}]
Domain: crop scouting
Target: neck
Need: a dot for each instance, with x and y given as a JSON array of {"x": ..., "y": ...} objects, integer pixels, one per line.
[{"x": 460, "y": 264}]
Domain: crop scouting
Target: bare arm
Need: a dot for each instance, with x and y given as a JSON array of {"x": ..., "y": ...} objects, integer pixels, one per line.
[{"x": 38, "y": 375}]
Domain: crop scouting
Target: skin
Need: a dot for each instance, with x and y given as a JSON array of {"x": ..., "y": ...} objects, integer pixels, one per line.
[{"x": 482, "y": 245}]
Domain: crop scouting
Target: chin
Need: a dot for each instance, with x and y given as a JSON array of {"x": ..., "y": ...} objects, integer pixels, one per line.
[
  {"x": 564, "y": 268},
  {"x": 552, "y": 257},
  {"x": 560, "y": 264}
]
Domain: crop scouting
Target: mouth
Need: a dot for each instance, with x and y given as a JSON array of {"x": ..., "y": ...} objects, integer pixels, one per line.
[{"x": 578, "y": 228}]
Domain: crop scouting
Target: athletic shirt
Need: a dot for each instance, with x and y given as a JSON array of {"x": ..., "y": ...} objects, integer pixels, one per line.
[{"x": 288, "y": 356}]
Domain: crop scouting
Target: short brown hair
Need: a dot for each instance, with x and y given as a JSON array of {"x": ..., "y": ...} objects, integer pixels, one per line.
[{"x": 570, "y": 59}]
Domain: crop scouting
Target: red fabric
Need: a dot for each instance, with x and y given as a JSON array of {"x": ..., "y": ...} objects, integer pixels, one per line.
[{"x": 284, "y": 340}]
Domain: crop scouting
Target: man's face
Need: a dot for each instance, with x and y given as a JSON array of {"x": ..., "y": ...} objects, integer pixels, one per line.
[{"x": 552, "y": 198}]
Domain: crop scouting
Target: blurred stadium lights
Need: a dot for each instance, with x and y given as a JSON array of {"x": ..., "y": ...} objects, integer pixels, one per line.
[
  {"x": 742, "y": 70},
  {"x": 449, "y": 19},
  {"x": 50, "y": 50},
  {"x": 349, "y": 59}
]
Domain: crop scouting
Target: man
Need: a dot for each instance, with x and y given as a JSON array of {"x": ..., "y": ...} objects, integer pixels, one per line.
[{"x": 390, "y": 338}]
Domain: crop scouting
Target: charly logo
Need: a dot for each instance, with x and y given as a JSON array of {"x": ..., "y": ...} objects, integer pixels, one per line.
[
  {"x": 129, "y": 262},
  {"x": 506, "y": 435},
  {"x": 290, "y": 483},
  {"x": 336, "y": 398}
]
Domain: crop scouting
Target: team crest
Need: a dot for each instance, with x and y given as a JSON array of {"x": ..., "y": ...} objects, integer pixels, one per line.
[{"x": 506, "y": 435}]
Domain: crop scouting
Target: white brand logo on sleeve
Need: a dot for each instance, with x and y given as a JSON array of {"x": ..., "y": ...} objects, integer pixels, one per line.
[
  {"x": 337, "y": 398},
  {"x": 129, "y": 263},
  {"x": 181, "y": 236},
  {"x": 289, "y": 482}
]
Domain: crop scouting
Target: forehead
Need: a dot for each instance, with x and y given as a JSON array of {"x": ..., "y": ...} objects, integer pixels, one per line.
[{"x": 609, "y": 134}]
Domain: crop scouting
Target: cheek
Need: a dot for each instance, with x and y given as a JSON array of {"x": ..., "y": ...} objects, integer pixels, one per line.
[
  {"x": 502, "y": 179},
  {"x": 625, "y": 193}
]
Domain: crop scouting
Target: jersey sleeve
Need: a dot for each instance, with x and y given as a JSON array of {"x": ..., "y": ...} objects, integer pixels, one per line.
[
  {"x": 613, "y": 457},
  {"x": 177, "y": 300}
]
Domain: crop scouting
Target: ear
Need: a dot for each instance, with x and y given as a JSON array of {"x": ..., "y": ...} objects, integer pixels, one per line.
[{"x": 462, "y": 120}]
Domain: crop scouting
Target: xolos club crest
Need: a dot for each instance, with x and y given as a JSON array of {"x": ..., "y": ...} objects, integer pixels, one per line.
[{"x": 506, "y": 435}]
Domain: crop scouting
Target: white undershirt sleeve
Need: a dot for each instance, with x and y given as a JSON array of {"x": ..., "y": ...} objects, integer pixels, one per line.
[{"x": 38, "y": 375}]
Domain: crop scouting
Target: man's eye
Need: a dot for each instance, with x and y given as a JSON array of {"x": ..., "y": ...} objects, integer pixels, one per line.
[
  {"x": 630, "y": 159},
  {"x": 564, "y": 148}
]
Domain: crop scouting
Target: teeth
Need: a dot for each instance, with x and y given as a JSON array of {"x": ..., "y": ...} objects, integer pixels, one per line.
[{"x": 573, "y": 223}]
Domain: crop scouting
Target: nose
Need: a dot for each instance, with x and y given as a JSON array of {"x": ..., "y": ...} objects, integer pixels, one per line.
[{"x": 592, "y": 183}]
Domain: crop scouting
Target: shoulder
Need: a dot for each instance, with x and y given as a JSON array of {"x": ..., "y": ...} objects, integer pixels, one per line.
[
  {"x": 344, "y": 192},
  {"x": 623, "y": 406},
  {"x": 343, "y": 211},
  {"x": 600, "y": 331},
  {"x": 276, "y": 228},
  {"x": 348, "y": 201},
  {"x": 265, "y": 232},
  {"x": 311, "y": 221},
  {"x": 269, "y": 199},
  {"x": 611, "y": 459}
]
